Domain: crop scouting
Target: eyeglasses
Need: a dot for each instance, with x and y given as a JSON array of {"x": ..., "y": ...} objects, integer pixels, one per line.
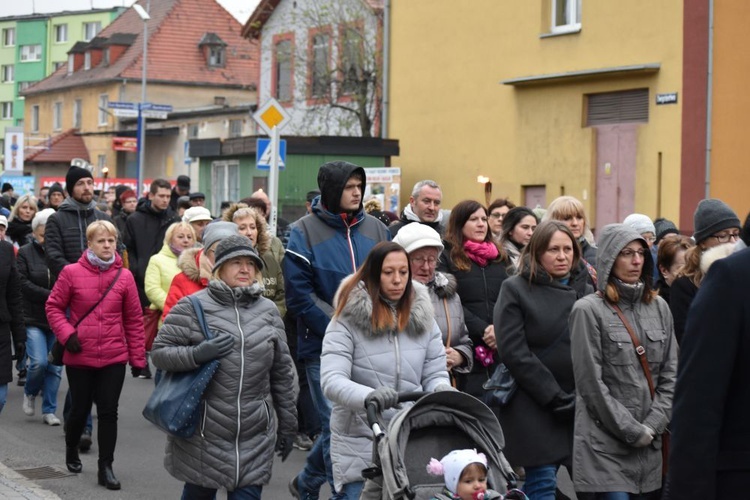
[
  {"x": 649, "y": 239},
  {"x": 496, "y": 216},
  {"x": 420, "y": 261},
  {"x": 725, "y": 237},
  {"x": 629, "y": 253}
]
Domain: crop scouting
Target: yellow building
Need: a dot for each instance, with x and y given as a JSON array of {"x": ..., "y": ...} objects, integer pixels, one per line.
[{"x": 543, "y": 97}]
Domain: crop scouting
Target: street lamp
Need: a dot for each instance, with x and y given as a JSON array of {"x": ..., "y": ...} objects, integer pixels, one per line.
[
  {"x": 481, "y": 179},
  {"x": 141, "y": 119}
]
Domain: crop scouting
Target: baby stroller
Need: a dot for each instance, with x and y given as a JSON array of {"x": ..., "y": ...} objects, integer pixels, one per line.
[{"x": 436, "y": 424}]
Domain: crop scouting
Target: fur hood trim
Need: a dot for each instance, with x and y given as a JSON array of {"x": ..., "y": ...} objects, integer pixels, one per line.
[
  {"x": 189, "y": 263},
  {"x": 358, "y": 310},
  {"x": 716, "y": 253},
  {"x": 445, "y": 285}
]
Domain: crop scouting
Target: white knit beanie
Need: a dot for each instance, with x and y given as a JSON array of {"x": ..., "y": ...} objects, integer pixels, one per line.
[
  {"x": 641, "y": 223},
  {"x": 453, "y": 464}
]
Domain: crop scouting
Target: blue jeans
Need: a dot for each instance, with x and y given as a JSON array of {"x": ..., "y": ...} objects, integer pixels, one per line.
[
  {"x": 541, "y": 482},
  {"x": 318, "y": 465},
  {"x": 352, "y": 491},
  {"x": 3, "y": 395},
  {"x": 195, "y": 492},
  {"x": 41, "y": 376}
]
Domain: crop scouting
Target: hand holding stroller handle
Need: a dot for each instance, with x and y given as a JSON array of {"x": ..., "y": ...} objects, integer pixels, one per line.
[{"x": 374, "y": 412}]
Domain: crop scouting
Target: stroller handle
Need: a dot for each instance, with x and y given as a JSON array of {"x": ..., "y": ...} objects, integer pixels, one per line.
[{"x": 374, "y": 412}]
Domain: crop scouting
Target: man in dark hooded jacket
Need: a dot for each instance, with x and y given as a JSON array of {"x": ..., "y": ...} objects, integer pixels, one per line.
[{"x": 324, "y": 247}]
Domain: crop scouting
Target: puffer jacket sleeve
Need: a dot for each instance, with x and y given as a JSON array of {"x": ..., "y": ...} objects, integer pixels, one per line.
[
  {"x": 15, "y": 304},
  {"x": 464, "y": 345},
  {"x": 178, "y": 336},
  {"x": 284, "y": 383},
  {"x": 586, "y": 350},
  {"x": 661, "y": 408},
  {"x": 530, "y": 373},
  {"x": 336, "y": 362},
  {"x": 152, "y": 283},
  {"x": 57, "y": 304},
  {"x": 53, "y": 245},
  {"x": 30, "y": 290},
  {"x": 434, "y": 372},
  {"x": 132, "y": 318}
]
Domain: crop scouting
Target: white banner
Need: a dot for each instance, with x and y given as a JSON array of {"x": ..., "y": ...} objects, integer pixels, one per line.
[{"x": 13, "y": 151}]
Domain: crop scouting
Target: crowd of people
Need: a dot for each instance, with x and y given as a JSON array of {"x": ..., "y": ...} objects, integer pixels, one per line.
[{"x": 615, "y": 343}]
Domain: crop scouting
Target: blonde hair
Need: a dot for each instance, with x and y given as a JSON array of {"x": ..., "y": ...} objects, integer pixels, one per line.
[
  {"x": 174, "y": 227},
  {"x": 263, "y": 240},
  {"x": 25, "y": 199},
  {"x": 100, "y": 226}
]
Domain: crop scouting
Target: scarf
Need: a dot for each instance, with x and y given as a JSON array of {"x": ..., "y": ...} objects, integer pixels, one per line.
[
  {"x": 175, "y": 250},
  {"x": 103, "y": 265},
  {"x": 410, "y": 215},
  {"x": 481, "y": 253}
]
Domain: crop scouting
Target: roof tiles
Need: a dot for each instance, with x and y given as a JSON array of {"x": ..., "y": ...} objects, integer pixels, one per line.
[{"x": 62, "y": 148}]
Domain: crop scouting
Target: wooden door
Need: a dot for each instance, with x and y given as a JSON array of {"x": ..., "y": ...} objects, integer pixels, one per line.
[{"x": 616, "y": 148}]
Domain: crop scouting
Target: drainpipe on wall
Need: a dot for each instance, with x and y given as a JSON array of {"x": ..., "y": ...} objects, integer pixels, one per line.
[
  {"x": 386, "y": 68},
  {"x": 709, "y": 96}
]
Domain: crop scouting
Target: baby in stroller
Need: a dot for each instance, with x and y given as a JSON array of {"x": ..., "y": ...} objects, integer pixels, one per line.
[{"x": 465, "y": 473}]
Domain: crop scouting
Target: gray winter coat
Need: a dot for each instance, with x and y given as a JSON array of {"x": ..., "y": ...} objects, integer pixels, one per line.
[
  {"x": 250, "y": 399},
  {"x": 614, "y": 401},
  {"x": 355, "y": 360},
  {"x": 449, "y": 311}
]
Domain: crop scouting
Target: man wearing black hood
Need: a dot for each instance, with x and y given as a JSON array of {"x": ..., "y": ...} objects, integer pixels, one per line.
[{"x": 324, "y": 247}]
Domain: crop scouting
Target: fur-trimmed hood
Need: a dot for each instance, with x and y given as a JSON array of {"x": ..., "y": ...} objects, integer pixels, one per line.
[
  {"x": 190, "y": 261},
  {"x": 358, "y": 310},
  {"x": 444, "y": 285},
  {"x": 716, "y": 253}
]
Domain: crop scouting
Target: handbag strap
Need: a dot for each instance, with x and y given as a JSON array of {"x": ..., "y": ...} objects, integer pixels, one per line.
[
  {"x": 640, "y": 351},
  {"x": 100, "y": 299},
  {"x": 448, "y": 320},
  {"x": 201, "y": 316}
]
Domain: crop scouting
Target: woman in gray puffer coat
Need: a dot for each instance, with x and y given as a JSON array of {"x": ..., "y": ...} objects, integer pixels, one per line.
[
  {"x": 250, "y": 404},
  {"x": 618, "y": 424},
  {"x": 382, "y": 340}
]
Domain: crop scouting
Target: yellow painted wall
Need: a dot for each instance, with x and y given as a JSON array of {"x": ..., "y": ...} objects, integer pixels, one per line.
[
  {"x": 455, "y": 120},
  {"x": 730, "y": 174}
]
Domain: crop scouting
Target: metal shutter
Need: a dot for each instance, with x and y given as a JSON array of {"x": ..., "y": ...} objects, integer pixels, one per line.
[{"x": 629, "y": 106}]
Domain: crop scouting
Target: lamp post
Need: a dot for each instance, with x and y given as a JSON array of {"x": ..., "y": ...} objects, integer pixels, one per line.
[{"x": 141, "y": 119}]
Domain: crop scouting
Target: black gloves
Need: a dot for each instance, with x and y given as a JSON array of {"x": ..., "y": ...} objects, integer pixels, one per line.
[
  {"x": 384, "y": 397},
  {"x": 563, "y": 406},
  {"x": 217, "y": 347},
  {"x": 73, "y": 344},
  {"x": 20, "y": 350},
  {"x": 284, "y": 446}
]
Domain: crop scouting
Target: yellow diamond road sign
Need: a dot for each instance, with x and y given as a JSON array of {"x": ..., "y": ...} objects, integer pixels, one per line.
[{"x": 270, "y": 115}]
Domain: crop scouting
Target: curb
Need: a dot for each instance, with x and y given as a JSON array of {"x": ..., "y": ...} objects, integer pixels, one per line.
[{"x": 13, "y": 486}]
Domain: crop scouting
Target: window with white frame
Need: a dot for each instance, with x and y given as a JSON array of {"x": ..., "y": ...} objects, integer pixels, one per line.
[
  {"x": 7, "y": 110},
  {"x": 192, "y": 130},
  {"x": 103, "y": 113},
  {"x": 57, "y": 116},
  {"x": 35, "y": 118},
  {"x": 61, "y": 33},
  {"x": 225, "y": 183},
  {"x": 23, "y": 86},
  {"x": 235, "y": 128},
  {"x": 31, "y": 53},
  {"x": 101, "y": 161},
  {"x": 7, "y": 73},
  {"x": 87, "y": 60},
  {"x": 566, "y": 16},
  {"x": 216, "y": 56},
  {"x": 77, "y": 113},
  {"x": 90, "y": 30},
  {"x": 9, "y": 37}
]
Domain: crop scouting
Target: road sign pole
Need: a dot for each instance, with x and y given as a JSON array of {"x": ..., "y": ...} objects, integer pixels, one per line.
[
  {"x": 141, "y": 150},
  {"x": 273, "y": 180}
]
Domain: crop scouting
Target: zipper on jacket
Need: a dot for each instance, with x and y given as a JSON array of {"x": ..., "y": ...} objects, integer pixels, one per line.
[
  {"x": 351, "y": 248},
  {"x": 398, "y": 362},
  {"x": 268, "y": 414},
  {"x": 239, "y": 397},
  {"x": 203, "y": 418}
]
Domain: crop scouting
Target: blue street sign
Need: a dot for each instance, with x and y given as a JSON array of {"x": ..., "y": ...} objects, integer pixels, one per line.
[
  {"x": 187, "y": 159},
  {"x": 263, "y": 154}
]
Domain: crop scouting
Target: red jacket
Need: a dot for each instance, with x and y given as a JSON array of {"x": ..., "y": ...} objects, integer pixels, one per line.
[
  {"x": 113, "y": 332},
  {"x": 189, "y": 281}
]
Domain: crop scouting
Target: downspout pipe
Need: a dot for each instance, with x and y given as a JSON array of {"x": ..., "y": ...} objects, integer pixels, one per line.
[
  {"x": 386, "y": 69},
  {"x": 709, "y": 96}
]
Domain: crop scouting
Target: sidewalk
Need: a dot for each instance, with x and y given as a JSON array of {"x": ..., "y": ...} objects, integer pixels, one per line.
[{"x": 13, "y": 486}]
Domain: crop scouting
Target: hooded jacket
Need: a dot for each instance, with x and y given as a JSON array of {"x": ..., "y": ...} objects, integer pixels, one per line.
[
  {"x": 324, "y": 247},
  {"x": 250, "y": 399},
  {"x": 613, "y": 399},
  {"x": 65, "y": 233},
  {"x": 162, "y": 267},
  {"x": 449, "y": 315},
  {"x": 357, "y": 359},
  {"x": 36, "y": 283},
  {"x": 11, "y": 319},
  {"x": 194, "y": 276},
  {"x": 113, "y": 332}
]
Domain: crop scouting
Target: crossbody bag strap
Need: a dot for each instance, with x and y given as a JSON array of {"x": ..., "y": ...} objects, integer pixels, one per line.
[
  {"x": 201, "y": 316},
  {"x": 100, "y": 299},
  {"x": 640, "y": 351},
  {"x": 448, "y": 320}
]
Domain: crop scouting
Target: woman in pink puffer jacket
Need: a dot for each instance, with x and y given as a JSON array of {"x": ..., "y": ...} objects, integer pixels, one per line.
[{"x": 99, "y": 344}]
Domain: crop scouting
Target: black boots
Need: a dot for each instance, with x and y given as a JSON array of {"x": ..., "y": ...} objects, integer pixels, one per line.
[
  {"x": 72, "y": 460},
  {"x": 107, "y": 477}
]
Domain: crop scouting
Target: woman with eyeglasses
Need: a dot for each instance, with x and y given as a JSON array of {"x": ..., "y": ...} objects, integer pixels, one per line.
[
  {"x": 715, "y": 224},
  {"x": 497, "y": 211},
  {"x": 621, "y": 410},
  {"x": 480, "y": 266}
]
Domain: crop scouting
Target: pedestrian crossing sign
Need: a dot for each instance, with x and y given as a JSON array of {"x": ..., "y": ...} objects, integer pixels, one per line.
[{"x": 263, "y": 154}]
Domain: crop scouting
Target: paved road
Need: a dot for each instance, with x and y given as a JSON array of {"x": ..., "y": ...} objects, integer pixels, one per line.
[{"x": 28, "y": 443}]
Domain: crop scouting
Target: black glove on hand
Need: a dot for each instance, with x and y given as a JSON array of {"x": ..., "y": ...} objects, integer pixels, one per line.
[
  {"x": 73, "y": 344},
  {"x": 20, "y": 350},
  {"x": 284, "y": 446},
  {"x": 384, "y": 397},
  {"x": 563, "y": 406},
  {"x": 217, "y": 347}
]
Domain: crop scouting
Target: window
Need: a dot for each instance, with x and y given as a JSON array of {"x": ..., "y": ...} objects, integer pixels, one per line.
[
  {"x": 9, "y": 37},
  {"x": 61, "y": 33},
  {"x": 31, "y": 53},
  {"x": 23, "y": 86},
  {"x": 352, "y": 55},
  {"x": 283, "y": 70},
  {"x": 235, "y": 128},
  {"x": 87, "y": 60},
  {"x": 57, "y": 116},
  {"x": 77, "y": 110},
  {"x": 216, "y": 56},
  {"x": 566, "y": 16},
  {"x": 101, "y": 161},
  {"x": 628, "y": 106},
  {"x": 105, "y": 57},
  {"x": 192, "y": 130},
  {"x": 7, "y": 71},
  {"x": 35, "y": 118},
  {"x": 90, "y": 30},
  {"x": 59, "y": 64},
  {"x": 319, "y": 72},
  {"x": 103, "y": 113},
  {"x": 7, "y": 110},
  {"x": 225, "y": 183}
]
